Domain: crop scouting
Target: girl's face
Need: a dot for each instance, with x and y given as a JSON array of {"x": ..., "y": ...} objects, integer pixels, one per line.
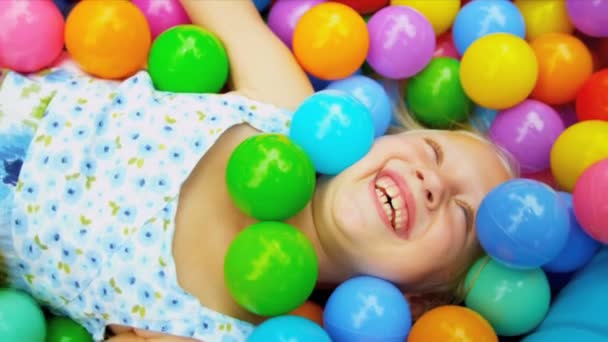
[{"x": 406, "y": 211}]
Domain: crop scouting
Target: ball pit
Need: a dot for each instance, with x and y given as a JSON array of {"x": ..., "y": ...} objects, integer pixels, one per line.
[{"x": 520, "y": 60}]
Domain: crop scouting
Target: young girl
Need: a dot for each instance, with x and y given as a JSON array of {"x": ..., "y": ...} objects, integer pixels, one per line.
[{"x": 115, "y": 211}]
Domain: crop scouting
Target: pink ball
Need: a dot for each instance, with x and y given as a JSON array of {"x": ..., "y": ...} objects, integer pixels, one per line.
[
  {"x": 528, "y": 130},
  {"x": 284, "y": 16},
  {"x": 162, "y": 14},
  {"x": 590, "y": 199},
  {"x": 31, "y": 34},
  {"x": 402, "y": 42}
]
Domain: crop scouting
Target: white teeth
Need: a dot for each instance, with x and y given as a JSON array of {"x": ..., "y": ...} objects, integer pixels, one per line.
[{"x": 395, "y": 211}]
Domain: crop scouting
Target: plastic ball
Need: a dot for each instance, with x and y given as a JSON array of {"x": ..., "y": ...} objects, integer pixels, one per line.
[
  {"x": 311, "y": 311},
  {"x": 372, "y": 95},
  {"x": 288, "y": 328},
  {"x": 261, "y": 5},
  {"x": 590, "y": 198},
  {"x": 577, "y": 148},
  {"x": 108, "y": 39},
  {"x": 591, "y": 101},
  {"x": 270, "y": 268},
  {"x": 269, "y": 177},
  {"x": 162, "y": 14},
  {"x": 365, "y": 6},
  {"x": 188, "y": 59},
  {"x": 544, "y": 16},
  {"x": 528, "y": 131},
  {"x": 445, "y": 47},
  {"x": 366, "y": 308},
  {"x": 435, "y": 95},
  {"x": 334, "y": 129},
  {"x": 564, "y": 64},
  {"x": 63, "y": 329},
  {"x": 65, "y": 6},
  {"x": 32, "y": 34},
  {"x": 589, "y": 17},
  {"x": 580, "y": 247},
  {"x": 543, "y": 176},
  {"x": 331, "y": 41},
  {"x": 440, "y": 13},
  {"x": 21, "y": 319},
  {"x": 452, "y": 323},
  {"x": 513, "y": 301},
  {"x": 499, "y": 70},
  {"x": 523, "y": 223},
  {"x": 481, "y": 18},
  {"x": 284, "y": 16},
  {"x": 402, "y": 42},
  {"x": 482, "y": 118}
]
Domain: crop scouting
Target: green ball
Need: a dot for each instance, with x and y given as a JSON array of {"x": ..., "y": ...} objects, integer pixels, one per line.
[
  {"x": 188, "y": 59},
  {"x": 269, "y": 177},
  {"x": 271, "y": 268},
  {"x": 21, "y": 319},
  {"x": 63, "y": 329},
  {"x": 435, "y": 95},
  {"x": 513, "y": 301}
]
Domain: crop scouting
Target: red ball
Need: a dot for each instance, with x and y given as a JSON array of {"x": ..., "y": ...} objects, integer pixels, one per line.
[
  {"x": 365, "y": 6},
  {"x": 592, "y": 98}
]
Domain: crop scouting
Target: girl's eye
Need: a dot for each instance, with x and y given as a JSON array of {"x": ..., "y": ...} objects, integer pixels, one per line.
[
  {"x": 468, "y": 213},
  {"x": 436, "y": 149}
]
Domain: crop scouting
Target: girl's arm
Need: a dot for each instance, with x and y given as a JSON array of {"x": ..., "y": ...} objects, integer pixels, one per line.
[{"x": 261, "y": 66}]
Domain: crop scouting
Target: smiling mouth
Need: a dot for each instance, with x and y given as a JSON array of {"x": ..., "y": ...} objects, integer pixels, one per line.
[{"x": 392, "y": 202}]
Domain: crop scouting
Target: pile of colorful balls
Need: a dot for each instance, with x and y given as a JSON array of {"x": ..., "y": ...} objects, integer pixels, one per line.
[{"x": 532, "y": 74}]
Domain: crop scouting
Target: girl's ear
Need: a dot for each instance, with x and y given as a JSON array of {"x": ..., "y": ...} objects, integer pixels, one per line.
[{"x": 421, "y": 303}]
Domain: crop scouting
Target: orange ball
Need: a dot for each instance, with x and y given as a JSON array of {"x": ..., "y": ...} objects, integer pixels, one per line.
[
  {"x": 310, "y": 310},
  {"x": 108, "y": 39},
  {"x": 452, "y": 323},
  {"x": 330, "y": 41},
  {"x": 564, "y": 64}
]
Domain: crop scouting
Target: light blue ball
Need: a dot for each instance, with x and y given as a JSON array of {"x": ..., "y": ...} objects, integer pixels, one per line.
[
  {"x": 479, "y": 18},
  {"x": 482, "y": 118},
  {"x": 21, "y": 319},
  {"x": 334, "y": 129},
  {"x": 523, "y": 223},
  {"x": 372, "y": 95},
  {"x": 579, "y": 248},
  {"x": 288, "y": 328},
  {"x": 367, "y": 309}
]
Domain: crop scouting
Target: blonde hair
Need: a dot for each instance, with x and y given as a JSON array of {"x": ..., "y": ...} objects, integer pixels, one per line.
[{"x": 452, "y": 291}]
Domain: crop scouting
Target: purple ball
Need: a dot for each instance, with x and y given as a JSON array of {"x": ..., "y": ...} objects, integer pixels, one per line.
[
  {"x": 162, "y": 14},
  {"x": 589, "y": 16},
  {"x": 284, "y": 16},
  {"x": 528, "y": 131},
  {"x": 402, "y": 42}
]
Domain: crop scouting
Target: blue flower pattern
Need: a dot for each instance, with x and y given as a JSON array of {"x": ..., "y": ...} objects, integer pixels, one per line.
[{"x": 117, "y": 153}]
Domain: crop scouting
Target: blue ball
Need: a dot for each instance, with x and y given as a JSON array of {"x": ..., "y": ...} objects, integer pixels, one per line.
[
  {"x": 479, "y": 18},
  {"x": 482, "y": 118},
  {"x": 579, "y": 248},
  {"x": 261, "y": 5},
  {"x": 21, "y": 319},
  {"x": 523, "y": 223},
  {"x": 366, "y": 308},
  {"x": 65, "y": 6},
  {"x": 288, "y": 328},
  {"x": 334, "y": 129},
  {"x": 372, "y": 95},
  {"x": 317, "y": 83}
]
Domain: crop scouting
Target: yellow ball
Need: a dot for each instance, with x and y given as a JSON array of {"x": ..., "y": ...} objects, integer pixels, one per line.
[
  {"x": 544, "y": 16},
  {"x": 499, "y": 70},
  {"x": 441, "y": 13},
  {"x": 579, "y": 146}
]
